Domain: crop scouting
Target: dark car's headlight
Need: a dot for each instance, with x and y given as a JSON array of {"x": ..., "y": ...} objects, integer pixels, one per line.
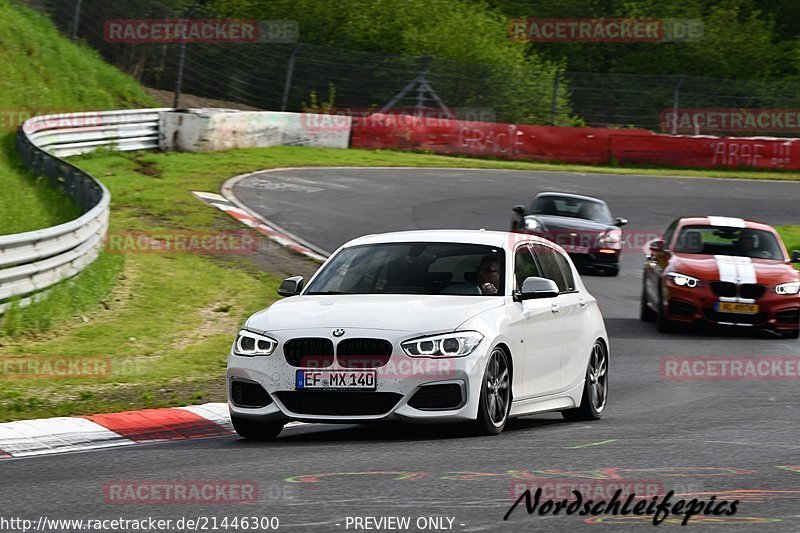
[
  {"x": 682, "y": 280},
  {"x": 611, "y": 239},
  {"x": 252, "y": 344},
  {"x": 532, "y": 224},
  {"x": 791, "y": 288},
  {"x": 456, "y": 344}
]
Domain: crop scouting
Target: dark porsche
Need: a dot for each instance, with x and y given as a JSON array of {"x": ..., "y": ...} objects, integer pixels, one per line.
[{"x": 582, "y": 225}]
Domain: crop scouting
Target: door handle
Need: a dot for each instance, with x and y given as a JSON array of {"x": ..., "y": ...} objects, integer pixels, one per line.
[
  {"x": 555, "y": 308},
  {"x": 582, "y": 302}
]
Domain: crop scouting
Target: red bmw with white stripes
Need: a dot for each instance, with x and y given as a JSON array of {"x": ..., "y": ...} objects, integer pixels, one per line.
[{"x": 721, "y": 270}]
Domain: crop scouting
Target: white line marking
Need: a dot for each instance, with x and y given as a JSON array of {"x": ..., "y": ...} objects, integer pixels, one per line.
[
  {"x": 209, "y": 196},
  {"x": 726, "y": 222},
  {"x": 54, "y": 435}
]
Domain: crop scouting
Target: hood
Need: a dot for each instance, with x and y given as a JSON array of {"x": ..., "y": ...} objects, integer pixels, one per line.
[
  {"x": 396, "y": 312},
  {"x": 734, "y": 268},
  {"x": 556, "y": 223}
]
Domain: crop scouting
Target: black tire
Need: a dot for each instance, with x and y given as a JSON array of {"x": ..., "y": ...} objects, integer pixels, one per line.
[
  {"x": 254, "y": 430},
  {"x": 793, "y": 335},
  {"x": 645, "y": 313},
  {"x": 595, "y": 387},
  {"x": 495, "y": 399},
  {"x": 663, "y": 324}
]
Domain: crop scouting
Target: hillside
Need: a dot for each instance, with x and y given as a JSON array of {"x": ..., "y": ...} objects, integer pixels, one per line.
[{"x": 41, "y": 72}]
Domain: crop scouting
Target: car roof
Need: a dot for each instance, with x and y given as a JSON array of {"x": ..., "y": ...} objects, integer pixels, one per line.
[
  {"x": 501, "y": 239},
  {"x": 570, "y": 195},
  {"x": 724, "y": 222}
]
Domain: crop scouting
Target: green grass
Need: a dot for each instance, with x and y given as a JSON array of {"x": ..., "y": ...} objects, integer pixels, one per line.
[
  {"x": 43, "y": 72},
  {"x": 167, "y": 323},
  {"x": 791, "y": 238}
]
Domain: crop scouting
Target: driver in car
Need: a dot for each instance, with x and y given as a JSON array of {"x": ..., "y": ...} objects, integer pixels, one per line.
[{"x": 489, "y": 275}]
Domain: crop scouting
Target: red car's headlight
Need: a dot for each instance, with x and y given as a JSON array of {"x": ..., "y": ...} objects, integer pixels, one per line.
[
  {"x": 682, "y": 280},
  {"x": 791, "y": 288}
]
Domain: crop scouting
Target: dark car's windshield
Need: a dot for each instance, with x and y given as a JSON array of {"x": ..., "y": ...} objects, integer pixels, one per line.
[
  {"x": 413, "y": 268},
  {"x": 717, "y": 240},
  {"x": 566, "y": 206}
]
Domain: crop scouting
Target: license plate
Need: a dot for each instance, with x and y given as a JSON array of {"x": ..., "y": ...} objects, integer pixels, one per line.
[
  {"x": 336, "y": 379},
  {"x": 733, "y": 307},
  {"x": 570, "y": 249}
]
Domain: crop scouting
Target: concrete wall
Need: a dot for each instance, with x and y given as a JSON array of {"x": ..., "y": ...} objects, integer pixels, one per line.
[{"x": 211, "y": 130}]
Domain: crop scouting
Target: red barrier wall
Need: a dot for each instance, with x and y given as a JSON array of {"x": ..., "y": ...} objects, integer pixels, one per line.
[
  {"x": 731, "y": 152},
  {"x": 570, "y": 145},
  {"x": 508, "y": 141}
]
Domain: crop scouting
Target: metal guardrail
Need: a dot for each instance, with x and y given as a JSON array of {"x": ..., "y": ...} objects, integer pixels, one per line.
[{"x": 33, "y": 261}]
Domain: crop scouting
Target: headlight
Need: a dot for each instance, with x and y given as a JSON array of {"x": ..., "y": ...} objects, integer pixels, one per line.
[
  {"x": 682, "y": 280},
  {"x": 447, "y": 345},
  {"x": 251, "y": 344},
  {"x": 532, "y": 223},
  {"x": 793, "y": 287},
  {"x": 611, "y": 237}
]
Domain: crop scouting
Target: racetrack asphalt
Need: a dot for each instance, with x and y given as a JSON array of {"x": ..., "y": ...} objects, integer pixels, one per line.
[{"x": 729, "y": 439}]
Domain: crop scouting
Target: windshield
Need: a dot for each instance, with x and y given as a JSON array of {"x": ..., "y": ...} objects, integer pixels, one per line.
[
  {"x": 413, "y": 268},
  {"x": 716, "y": 240},
  {"x": 563, "y": 206}
]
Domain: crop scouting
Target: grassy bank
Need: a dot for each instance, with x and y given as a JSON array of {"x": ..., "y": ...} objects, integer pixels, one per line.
[{"x": 43, "y": 72}]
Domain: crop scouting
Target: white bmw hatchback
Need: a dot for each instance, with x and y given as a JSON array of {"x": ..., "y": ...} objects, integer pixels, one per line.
[{"x": 424, "y": 326}]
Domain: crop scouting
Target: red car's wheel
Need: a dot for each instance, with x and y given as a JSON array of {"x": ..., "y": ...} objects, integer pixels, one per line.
[
  {"x": 645, "y": 313},
  {"x": 663, "y": 324}
]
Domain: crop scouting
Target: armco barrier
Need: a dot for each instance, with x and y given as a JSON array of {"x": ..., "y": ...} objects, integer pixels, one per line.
[
  {"x": 33, "y": 261},
  {"x": 572, "y": 145}
]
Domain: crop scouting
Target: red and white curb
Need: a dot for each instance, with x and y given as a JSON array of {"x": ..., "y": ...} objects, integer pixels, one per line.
[
  {"x": 256, "y": 222},
  {"x": 67, "y": 434}
]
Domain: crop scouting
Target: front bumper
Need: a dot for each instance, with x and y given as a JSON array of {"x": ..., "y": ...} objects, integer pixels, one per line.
[
  {"x": 398, "y": 381},
  {"x": 594, "y": 259},
  {"x": 776, "y": 312}
]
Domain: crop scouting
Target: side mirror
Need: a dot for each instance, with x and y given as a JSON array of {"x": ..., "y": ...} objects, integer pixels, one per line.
[
  {"x": 657, "y": 246},
  {"x": 795, "y": 256},
  {"x": 291, "y": 286},
  {"x": 619, "y": 221},
  {"x": 533, "y": 288},
  {"x": 519, "y": 209}
]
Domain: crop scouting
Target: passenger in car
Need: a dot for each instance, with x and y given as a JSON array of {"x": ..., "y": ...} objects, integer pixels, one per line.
[{"x": 489, "y": 275}]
